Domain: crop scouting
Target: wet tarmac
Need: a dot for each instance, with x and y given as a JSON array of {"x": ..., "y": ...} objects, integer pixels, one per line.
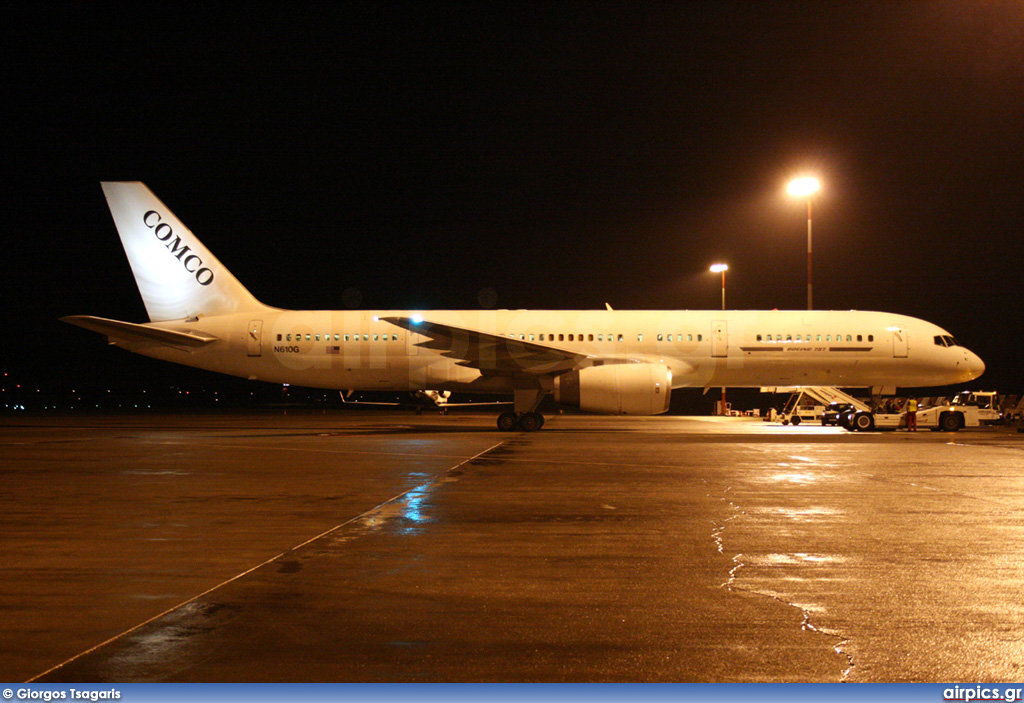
[{"x": 391, "y": 547}]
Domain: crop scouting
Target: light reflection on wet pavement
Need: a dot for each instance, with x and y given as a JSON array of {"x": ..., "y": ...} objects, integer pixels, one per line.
[{"x": 677, "y": 549}]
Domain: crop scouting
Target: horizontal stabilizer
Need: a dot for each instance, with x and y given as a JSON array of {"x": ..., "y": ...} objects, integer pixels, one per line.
[{"x": 131, "y": 332}]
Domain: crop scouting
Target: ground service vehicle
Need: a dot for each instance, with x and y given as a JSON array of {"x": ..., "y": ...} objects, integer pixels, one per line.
[
  {"x": 834, "y": 411},
  {"x": 987, "y": 403},
  {"x": 947, "y": 418}
]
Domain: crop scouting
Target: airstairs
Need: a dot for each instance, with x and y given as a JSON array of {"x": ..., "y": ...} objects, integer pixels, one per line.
[{"x": 807, "y": 403}]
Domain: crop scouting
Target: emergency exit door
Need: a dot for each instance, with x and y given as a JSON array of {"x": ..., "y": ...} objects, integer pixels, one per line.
[{"x": 254, "y": 337}]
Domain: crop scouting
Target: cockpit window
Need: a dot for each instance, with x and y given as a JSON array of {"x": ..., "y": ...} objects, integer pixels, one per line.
[
  {"x": 940, "y": 340},
  {"x": 951, "y": 342}
]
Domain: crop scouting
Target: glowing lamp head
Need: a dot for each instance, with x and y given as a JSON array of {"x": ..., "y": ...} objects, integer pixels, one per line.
[
  {"x": 719, "y": 268},
  {"x": 417, "y": 319},
  {"x": 804, "y": 186}
]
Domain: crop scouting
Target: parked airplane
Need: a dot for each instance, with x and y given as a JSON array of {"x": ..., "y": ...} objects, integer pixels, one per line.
[{"x": 605, "y": 361}]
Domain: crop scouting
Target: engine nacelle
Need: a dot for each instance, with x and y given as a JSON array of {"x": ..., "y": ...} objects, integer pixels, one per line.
[{"x": 617, "y": 389}]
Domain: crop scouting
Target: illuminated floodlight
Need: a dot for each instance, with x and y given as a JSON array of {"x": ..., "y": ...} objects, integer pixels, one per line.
[
  {"x": 719, "y": 268},
  {"x": 417, "y": 319},
  {"x": 808, "y": 185}
]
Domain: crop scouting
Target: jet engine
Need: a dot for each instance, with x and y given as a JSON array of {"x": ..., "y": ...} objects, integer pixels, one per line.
[{"x": 617, "y": 389}]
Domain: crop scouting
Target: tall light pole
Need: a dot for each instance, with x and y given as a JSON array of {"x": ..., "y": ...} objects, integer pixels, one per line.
[
  {"x": 721, "y": 268},
  {"x": 806, "y": 186}
]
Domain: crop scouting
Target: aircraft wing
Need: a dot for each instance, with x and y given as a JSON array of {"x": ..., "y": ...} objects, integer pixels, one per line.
[
  {"x": 491, "y": 353},
  {"x": 131, "y": 332}
]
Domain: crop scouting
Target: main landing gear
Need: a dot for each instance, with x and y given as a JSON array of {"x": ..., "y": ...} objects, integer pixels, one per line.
[
  {"x": 527, "y": 422},
  {"x": 525, "y": 417}
]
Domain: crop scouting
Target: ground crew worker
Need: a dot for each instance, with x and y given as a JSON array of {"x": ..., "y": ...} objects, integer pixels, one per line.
[{"x": 912, "y": 415}]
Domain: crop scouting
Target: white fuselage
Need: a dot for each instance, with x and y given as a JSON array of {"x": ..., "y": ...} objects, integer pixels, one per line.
[{"x": 359, "y": 350}]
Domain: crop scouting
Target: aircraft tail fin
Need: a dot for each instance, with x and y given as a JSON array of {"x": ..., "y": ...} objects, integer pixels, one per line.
[{"x": 177, "y": 276}]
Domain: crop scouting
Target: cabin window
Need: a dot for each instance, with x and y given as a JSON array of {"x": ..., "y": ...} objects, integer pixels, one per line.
[
  {"x": 759, "y": 338},
  {"x": 639, "y": 338},
  {"x": 789, "y": 338},
  {"x": 819, "y": 338},
  {"x": 279, "y": 338},
  {"x": 309, "y": 337},
  {"x": 849, "y": 338},
  {"x": 661, "y": 338},
  {"x": 689, "y": 338},
  {"x": 318, "y": 338},
  {"x": 798, "y": 338},
  {"x": 871, "y": 337},
  {"x": 700, "y": 338},
  {"x": 620, "y": 338},
  {"x": 860, "y": 338}
]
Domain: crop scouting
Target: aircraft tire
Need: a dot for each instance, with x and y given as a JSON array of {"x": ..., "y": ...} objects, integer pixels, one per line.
[
  {"x": 863, "y": 422},
  {"x": 531, "y": 422},
  {"x": 508, "y": 422},
  {"x": 950, "y": 422}
]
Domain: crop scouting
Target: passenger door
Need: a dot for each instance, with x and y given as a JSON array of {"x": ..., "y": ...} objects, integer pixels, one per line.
[
  {"x": 899, "y": 343},
  {"x": 719, "y": 338},
  {"x": 254, "y": 337}
]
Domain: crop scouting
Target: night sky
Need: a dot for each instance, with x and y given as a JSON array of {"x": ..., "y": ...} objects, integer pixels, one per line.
[{"x": 562, "y": 154}]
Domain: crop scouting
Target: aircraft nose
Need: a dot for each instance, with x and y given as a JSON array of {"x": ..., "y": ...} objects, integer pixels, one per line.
[{"x": 974, "y": 365}]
